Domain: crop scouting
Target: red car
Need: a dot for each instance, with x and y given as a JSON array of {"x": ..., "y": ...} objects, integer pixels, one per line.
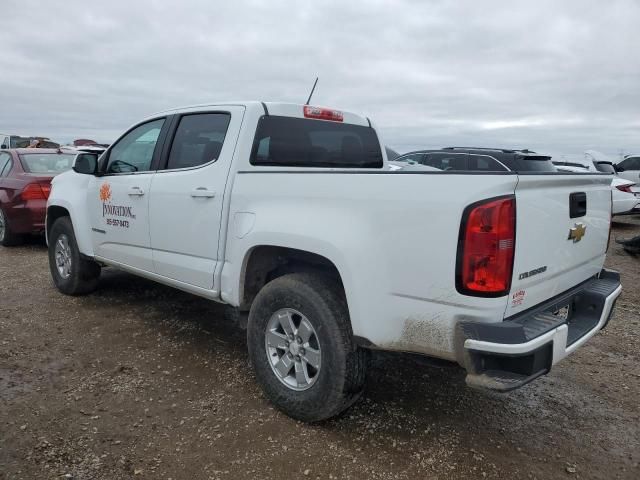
[{"x": 25, "y": 183}]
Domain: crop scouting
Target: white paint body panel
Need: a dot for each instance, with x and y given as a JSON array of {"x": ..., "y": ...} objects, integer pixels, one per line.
[
  {"x": 622, "y": 201},
  {"x": 186, "y": 212},
  {"x": 391, "y": 235},
  {"x": 393, "y": 243},
  {"x": 542, "y": 230},
  {"x": 69, "y": 191},
  {"x": 132, "y": 245}
]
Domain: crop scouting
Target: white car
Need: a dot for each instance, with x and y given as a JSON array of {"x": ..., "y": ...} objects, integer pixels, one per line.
[
  {"x": 629, "y": 168},
  {"x": 624, "y": 199},
  {"x": 290, "y": 213}
]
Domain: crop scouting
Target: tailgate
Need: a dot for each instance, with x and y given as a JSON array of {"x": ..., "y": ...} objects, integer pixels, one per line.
[{"x": 560, "y": 241}]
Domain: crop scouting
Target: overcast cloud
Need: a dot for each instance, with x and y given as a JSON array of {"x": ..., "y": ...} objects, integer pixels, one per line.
[{"x": 557, "y": 77}]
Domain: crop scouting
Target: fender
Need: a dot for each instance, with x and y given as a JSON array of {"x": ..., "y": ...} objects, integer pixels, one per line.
[
  {"x": 236, "y": 262},
  {"x": 69, "y": 191}
]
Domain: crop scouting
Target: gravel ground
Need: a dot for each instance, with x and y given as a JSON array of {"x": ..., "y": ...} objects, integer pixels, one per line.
[{"x": 142, "y": 381}]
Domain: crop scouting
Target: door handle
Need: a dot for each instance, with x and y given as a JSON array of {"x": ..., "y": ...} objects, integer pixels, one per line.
[
  {"x": 135, "y": 191},
  {"x": 202, "y": 192}
]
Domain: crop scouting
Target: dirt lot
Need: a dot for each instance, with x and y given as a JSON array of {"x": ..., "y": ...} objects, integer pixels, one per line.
[{"x": 141, "y": 381}]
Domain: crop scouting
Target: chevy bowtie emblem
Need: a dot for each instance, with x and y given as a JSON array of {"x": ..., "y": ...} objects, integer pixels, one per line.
[{"x": 576, "y": 233}]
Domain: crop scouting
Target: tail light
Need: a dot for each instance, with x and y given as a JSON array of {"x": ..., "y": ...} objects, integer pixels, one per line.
[
  {"x": 486, "y": 248},
  {"x": 323, "y": 113},
  {"x": 36, "y": 191},
  {"x": 625, "y": 188}
]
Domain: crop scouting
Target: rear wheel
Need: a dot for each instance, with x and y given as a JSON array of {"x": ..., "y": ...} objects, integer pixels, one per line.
[
  {"x": 7, "y": 237},
  {"x": 301, "y": 347},
  {"x": 71, "y": 274}
]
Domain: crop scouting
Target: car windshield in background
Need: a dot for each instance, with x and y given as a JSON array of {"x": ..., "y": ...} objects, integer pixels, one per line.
[
  {"x": 604, "y": 167},
  {"x": 298, "y": 142},
  {"x": 47, "y": 163},
  {"x": 20, "y": 142}
]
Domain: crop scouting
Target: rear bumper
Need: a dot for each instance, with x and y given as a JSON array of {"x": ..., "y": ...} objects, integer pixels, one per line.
[{"x": 506, "y": 355}]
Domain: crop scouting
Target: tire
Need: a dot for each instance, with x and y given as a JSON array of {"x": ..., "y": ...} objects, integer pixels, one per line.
[
  {"x": 339, "y": 380},
  {"x": 78, "y": 276},
  {"x": 7, "y": 237}
]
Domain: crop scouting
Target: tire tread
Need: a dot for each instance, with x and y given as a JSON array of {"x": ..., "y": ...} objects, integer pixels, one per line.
[{"x": 84, "y": 279}]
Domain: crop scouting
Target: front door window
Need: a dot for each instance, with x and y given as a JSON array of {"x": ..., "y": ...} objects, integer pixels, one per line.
[{"x": 134, "y": 152}]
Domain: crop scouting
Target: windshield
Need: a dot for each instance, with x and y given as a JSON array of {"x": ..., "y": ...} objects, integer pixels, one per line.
[
  {"x": 20, "y": 142},
  {"x": 47, "y": 163}
]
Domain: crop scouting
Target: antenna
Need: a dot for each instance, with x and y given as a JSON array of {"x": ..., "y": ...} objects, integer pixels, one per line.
[{"x": 312, "y": 90}]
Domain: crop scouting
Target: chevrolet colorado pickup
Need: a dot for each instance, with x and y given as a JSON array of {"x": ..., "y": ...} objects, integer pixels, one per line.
[{"x": 291, "y": 214}]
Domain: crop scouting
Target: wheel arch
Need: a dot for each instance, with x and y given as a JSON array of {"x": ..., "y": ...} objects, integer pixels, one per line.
[
  {"x": 54, "y": 212},
  {"x": 263, "y": 263},
  {"x": 81, "y": 232}
]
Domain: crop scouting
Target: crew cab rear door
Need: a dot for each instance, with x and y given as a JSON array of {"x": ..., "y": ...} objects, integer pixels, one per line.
[
  {"x": 187, "y": 195},
  {"x": 562, "y": 231}
]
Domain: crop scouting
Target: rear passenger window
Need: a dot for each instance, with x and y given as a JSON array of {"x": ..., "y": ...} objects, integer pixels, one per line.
[
  {"x": 485, "y": 163},
  {"x": 198, "y": 139},
  {"x": 298, "y": 142}
]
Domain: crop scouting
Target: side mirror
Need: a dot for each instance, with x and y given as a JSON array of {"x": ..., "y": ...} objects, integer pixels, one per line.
[
  {"x": 86, "y": 163},
  {"x": 618, "y": 168},
  {"x": 4, "y": 146}
]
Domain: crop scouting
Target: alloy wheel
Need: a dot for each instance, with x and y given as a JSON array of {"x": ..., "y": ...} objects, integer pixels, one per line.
[
  {"x": 62, "y": 254},
  {"x": 293, "y": 349}
]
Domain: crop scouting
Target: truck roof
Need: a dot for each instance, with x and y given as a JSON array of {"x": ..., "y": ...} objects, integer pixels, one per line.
[{"x": 282, "y": 109}]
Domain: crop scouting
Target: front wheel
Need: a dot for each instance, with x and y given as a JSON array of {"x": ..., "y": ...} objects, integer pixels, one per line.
[
  {"x": 301, "y": 347},
  {"x": 71, "y": 274}
]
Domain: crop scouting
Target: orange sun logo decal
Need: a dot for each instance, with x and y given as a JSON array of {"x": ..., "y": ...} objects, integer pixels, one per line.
[{"x": 105, "y": 192}]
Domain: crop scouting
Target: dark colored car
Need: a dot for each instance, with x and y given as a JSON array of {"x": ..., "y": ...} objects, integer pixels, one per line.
[
  {"x": 480, "y": 159},
  {"x": 25, "y": 184}
]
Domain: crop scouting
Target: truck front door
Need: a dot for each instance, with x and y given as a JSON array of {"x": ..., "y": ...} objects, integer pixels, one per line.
[{"x": 119, "y": 199}]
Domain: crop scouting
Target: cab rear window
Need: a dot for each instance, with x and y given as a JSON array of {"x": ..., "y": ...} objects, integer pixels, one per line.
[{"x": 300, "y": 142}]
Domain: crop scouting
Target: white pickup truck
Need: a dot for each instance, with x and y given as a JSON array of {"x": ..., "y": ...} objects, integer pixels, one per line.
[{"x": 291, "y": 214}]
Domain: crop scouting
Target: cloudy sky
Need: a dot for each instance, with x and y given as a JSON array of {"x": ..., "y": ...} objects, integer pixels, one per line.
[{"x": 558, "y": 77}]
